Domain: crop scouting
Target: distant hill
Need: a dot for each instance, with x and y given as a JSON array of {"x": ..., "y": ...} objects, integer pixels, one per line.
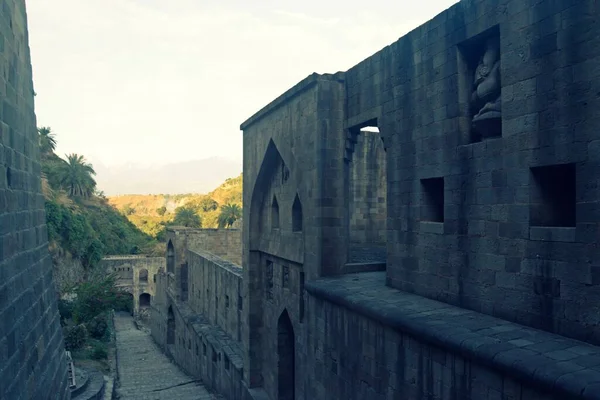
[
  {"x": 198, "y": 176},
  {"x": 144, "y": 211}
]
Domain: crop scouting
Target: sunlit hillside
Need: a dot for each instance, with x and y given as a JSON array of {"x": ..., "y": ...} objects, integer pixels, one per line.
[{"x": 151, "y": 213}]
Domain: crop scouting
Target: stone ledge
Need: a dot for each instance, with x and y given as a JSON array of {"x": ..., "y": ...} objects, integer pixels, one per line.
[
  {"x": 550, "y": 361},
  {"x": 220, "y": 262},
  {"x": 214, "y": 335},
  {"x": 295, "y": 90}
]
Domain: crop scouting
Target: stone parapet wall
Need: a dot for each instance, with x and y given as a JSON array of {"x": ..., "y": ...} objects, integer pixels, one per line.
[
  {"x": 216, "y": 291},
  {"x": 206, "y": 327},
  {"x": 32, "y": 360},
  {"x": 201, "y": 349},
  {"x": 223, "y": 243},
  {"x": 406, "y": 346}
]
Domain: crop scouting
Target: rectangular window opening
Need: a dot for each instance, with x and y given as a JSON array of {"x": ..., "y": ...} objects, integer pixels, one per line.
[
  {"x": 432, "y": 200},
  {"x": 553, "y": 196}
]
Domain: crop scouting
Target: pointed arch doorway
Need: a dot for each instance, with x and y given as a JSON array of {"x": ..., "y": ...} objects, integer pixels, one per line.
[{"x": 286, "y": 358}]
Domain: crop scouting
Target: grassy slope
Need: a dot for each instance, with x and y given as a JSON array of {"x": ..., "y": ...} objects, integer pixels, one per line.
[{"x": 143, "y": 208}]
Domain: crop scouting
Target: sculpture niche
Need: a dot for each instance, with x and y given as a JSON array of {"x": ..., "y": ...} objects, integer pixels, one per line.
[{"x": 485, "y": 99}]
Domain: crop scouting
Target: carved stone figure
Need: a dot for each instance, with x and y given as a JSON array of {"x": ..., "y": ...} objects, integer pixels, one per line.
[{"x": 485, "y": 100}]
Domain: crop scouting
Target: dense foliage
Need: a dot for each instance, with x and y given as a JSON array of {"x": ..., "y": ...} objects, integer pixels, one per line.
[
  {"x": 229, "y": 214},
  {"x": 221, "y": 208},
  {"x": 86, "y": 318},
  {"x": 188, "y": 217},
  {"x": 81, "y": 223}
]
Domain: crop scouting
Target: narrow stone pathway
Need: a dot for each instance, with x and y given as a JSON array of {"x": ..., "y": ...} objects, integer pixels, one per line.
[{"x": 145, "y": 373}]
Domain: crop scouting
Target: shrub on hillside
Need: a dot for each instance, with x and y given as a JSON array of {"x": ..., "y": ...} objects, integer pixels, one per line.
[
  {"x": 65, "y": 310},
  {"x": 98, "y": 326},
  {"x": 74, "y": 336},
  {"x": 98, "y": 351},
  {"x": 97, "y": 296}
]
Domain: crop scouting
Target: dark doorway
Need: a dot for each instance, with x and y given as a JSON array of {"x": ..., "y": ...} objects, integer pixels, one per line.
[
  {"x": 170, "y": 258},
  {"x": 171, "y": 327},
  {"x": 144, "y": 300},
  {"x": 286, "y": 352}
]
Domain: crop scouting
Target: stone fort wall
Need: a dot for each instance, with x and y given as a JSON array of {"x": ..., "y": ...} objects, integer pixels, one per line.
[
  {"x": 197, "y": 321},
  {"x": 223, "y": 243},
  {"x": 476, "y": 229},
  {"x": 475, "y": 221},
  {"x": 32, "y": 361},
  {"x": 136, "y": 275},
  {"x": 480, "y": 249}
]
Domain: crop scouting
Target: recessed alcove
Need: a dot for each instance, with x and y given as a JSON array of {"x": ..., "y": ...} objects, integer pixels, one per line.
[
  {"x": 480, "y": 86},
  {"x": 553, "y": 196},
  {"x": 432, "y": 200}
]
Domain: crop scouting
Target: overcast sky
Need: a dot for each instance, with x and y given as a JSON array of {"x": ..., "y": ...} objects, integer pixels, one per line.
[{"x": 159, "y": 81}]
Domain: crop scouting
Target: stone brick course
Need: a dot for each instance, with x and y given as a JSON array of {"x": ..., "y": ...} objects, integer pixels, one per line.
[
  {"x": 472, "y": 217},
  {"x": 130, "y": 270},
  {"x": 32, "y": 358},
  {"x": 397, "y": 326},
  {"x": 206, "y": 326}
]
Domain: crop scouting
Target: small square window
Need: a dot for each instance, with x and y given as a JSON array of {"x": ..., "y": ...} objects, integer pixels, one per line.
[{"x": 553, "y": 196}]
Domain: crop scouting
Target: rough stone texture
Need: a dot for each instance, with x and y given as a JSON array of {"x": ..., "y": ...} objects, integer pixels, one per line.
[
  {"x": 32, "y": 357},
  {"x": 131, "y": 271},
  {"x": 223, "y": 243},
  {"x": 487, "y": 255},
  {"x": 406, "y": 345},
  {"x": 145, "y": 373},
  {"x": 216, "y": 291},
  {"x": 367, "y": 199},
  {"x": 473, "y": 219},
  {"x": 195, "y": 342}
]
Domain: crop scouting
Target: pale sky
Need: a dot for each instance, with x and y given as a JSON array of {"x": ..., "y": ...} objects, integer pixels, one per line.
[{"x": 160, "y": 81}]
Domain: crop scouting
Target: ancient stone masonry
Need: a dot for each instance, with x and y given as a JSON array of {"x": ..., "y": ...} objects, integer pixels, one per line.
[
  {"x": 32, "y": 357},
  {"x": 479, "y": 111},
  {"x": 423, "y": 225},
  {"x": 197, "y": 311},
  {"x": 136, "y": 275}
]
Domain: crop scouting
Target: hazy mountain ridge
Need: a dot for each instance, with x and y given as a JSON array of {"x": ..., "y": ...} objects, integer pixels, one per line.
[{"x": 196, "y": 176}]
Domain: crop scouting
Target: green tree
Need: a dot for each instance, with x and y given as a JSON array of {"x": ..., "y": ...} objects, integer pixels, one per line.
[
  {"x": 229, "y": 214},
  {"x": 47, "y": 140},
  {"x": 76, "y": 176},
  {"x": 187, "y": 216},
  {"x": 208, "y": 204},
  {"x": 161, "y": 210}
]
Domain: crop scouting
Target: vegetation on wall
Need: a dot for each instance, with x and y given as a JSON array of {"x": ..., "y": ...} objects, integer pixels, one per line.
[{"x": 221, "y": 208}]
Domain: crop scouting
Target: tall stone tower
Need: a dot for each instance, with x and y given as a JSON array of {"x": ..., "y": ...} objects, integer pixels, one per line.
[{"x": 32, "y": 359}]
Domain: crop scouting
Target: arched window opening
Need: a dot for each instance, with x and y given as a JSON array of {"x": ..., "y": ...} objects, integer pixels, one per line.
[
  {"x": 143, "y": 275},
  {"x": 144, "y": 300},
  {"x": 275, "y": 214},
  {"x": 297, "y": 215}
]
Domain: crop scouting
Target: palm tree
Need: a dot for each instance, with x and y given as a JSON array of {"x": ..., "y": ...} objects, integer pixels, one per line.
[
  {"x": 76, "y": 176},
  {"x": 229, "y": 214},
  {"x": 187, "y": 216},
  {"x": 47, "y": 140}
]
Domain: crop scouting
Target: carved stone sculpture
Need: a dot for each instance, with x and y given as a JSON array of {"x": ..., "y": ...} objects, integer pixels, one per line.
[{"x": 485, "y": 99}]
